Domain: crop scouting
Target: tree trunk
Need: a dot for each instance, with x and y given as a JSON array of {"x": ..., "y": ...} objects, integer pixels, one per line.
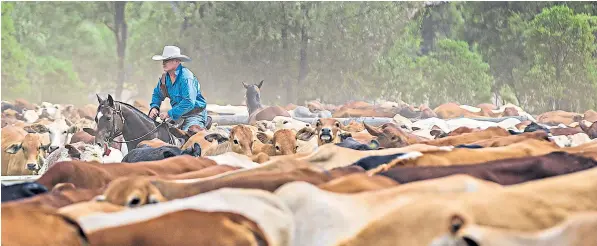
[
  {"x": 120, "y": 32},
  {"x": 303, "y": 63},
  {"x": 284, "y": 36}
]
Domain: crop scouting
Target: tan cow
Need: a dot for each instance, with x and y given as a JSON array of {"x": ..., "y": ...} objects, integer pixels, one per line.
[
  {"x": 467, "y": 138},
  {"x": 22, "y": 152},
  {"x": 283, "y": 142},
  {"x": 344, "y": 215},
  {"x": 461, "y": 156},
  {"x": 577, "y": 230},
  {"x": 530, "y": 206},
  {"x": 217, "y": 215},
  {"x": 558, "y": 117},
  {"x": 240, "y": 141}
]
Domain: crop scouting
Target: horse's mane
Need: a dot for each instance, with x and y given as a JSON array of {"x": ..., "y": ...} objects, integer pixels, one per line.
[{"x": 136, "y": 109}]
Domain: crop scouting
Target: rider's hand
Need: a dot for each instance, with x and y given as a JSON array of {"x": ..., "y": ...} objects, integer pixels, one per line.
[
  {"x": 153, "y": 113},
  {"x": 164, "y": 116}
]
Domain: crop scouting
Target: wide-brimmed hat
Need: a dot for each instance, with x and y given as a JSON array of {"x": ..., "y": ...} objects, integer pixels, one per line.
[{"x": 171, "y": 52}]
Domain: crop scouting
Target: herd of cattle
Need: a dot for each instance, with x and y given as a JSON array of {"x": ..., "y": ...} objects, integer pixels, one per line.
[{"x": 453, "y": 175}]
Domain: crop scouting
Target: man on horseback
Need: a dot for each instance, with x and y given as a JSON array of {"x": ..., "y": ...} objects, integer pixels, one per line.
[{"x": 182, "y": 87}]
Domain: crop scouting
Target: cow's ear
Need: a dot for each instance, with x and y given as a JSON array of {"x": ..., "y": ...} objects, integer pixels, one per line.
[
  {"x": 36, "y": 128},
  {"x": 73, "y": 151},
  {"x": 73, "y": 129},
  {"x": 89, "y": 131},
  {"x": 305, "y": 134},
  {"x": 264, "y": 138},
  {"x": 245, "y": 85},
  {"x": 216, "y": 136},
  {"x": 260, "y": 84},
  {"x": 13, "y": 148},
  {"x": 46, "y": 147},
  {"x": 372, "y": 130}
]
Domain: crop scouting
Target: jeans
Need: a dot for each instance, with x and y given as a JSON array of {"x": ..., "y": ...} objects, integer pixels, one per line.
[{"x": 197, "y": 119}]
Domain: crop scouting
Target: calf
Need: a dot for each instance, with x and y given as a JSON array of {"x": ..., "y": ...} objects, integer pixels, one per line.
[
  {"x": 391, "y": 136},
  {"x": 504, "y": 172},
  {"x": 75, "y": 151},
  {"x": 23, "y": 153},
  {"x": 240, "y": 141},
  {"x": 283, "y": 143}
]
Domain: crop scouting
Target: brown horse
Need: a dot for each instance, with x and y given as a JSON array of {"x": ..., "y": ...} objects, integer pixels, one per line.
[{"x": 256, "y": 111}]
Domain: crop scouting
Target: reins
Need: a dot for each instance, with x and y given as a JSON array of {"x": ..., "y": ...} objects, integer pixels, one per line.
[{"x": 113, "y": 130}]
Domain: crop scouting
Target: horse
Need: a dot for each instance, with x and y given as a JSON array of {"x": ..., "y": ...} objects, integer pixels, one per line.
[
  {"x": 256, "y": 111},
  {"x": 116, "y": 118}
]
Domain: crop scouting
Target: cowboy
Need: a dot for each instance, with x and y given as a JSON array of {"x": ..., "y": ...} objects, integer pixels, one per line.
[{"x": 182, "y": 87}]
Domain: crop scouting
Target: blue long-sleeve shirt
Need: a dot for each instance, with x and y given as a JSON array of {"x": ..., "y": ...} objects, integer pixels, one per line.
[{"x": 185, "y": 93}]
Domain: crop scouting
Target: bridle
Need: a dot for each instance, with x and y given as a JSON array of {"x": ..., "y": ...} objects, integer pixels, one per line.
[{"x": 114, "y": 132}]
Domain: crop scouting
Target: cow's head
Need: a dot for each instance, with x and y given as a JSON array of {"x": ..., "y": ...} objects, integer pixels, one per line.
[
  {"x": 284, "y": 142},
  {"x": 33, "y": 151},
  {"x": 131, "y": 192},
  {"x": 327, "y": 130},
  {"x": 388, "y": 135},
  {"x": 241, "y": 140},
  {"x": 60, "y": 130},
  {"x": 510, "y": 111}
]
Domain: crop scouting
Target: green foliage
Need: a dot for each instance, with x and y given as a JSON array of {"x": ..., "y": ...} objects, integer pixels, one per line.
[{"x": 453, "y": 73}]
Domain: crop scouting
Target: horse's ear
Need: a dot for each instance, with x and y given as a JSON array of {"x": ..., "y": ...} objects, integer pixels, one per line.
[
  {"x": 245, "y": 85},
  {"x": 99, "y": 99},
  {"x": 260, "y": 84},
  {"x": 110, "y": 100}
]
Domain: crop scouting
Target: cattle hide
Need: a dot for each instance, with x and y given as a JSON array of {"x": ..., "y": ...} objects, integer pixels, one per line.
[{"x": 160, "y": 153}]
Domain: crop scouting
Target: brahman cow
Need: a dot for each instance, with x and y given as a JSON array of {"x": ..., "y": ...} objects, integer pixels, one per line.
[{"x": 22, "y": 152}]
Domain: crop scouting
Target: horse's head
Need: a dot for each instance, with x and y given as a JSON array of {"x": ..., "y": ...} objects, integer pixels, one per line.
[
  {"x": 253, "y": 91},
  {"x": 253, "y": 95},
  {"x": 109, "y": 120}
]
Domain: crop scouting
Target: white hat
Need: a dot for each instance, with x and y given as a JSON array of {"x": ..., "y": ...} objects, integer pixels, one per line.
[{"x": 171, "y": 52}]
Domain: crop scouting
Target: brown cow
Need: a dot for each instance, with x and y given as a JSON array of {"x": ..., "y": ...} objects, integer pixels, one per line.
[
  {"x": 529, "y": 147},
  {"x": 453, "y": 110},
  {"x": 256, "y": 111},
  {"x": 22, "y": 152},
  {"x": 326, "y": 130},
  {"x": 154, "y": 143},
  {"x": 468, "y": 138},
  {"x": 558, "y": 117},
  {"x": 504, "y": 171},
  {"x": 283, "y": 143},
  {"x": 590, "y": 115},
  {"x": 22, "y": 104},
  {"x": 507, "y": 140},
  {"x": 358, "y": 182},
  {"x": 240, "y": 141},
  {"x": 391, "y": 136},
  {"x": 135, "y": 191},
  {"x": 93, "y": 175},
  {"x": 576, "y": 230},
  {"x": 140, "y": 191}
]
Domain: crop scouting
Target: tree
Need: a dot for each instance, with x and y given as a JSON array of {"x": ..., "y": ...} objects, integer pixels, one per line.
[{"x": 562, "y": 43}]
